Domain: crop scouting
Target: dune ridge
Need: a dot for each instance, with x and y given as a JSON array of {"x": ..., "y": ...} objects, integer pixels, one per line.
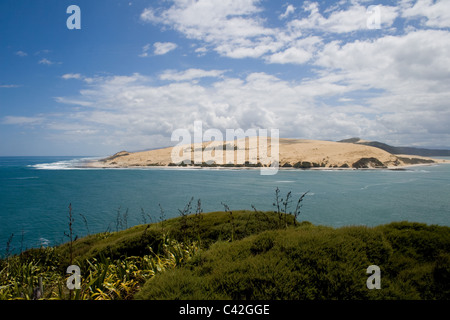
[{"x": 293, "y": 153}]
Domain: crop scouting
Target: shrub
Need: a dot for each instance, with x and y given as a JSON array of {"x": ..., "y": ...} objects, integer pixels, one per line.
[
  {"x": 313, "y": 262},
  {"x": 303, "y": 165},
  {"x": 365, "y": 163}
]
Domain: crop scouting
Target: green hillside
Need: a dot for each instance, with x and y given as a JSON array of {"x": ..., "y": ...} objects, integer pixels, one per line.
[
  {"x": 315, "y": 262},
  {"x": 239, "y": 255}
]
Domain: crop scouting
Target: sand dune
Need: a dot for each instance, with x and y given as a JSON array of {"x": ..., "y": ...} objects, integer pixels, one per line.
[{"x": 296, "y": 153}]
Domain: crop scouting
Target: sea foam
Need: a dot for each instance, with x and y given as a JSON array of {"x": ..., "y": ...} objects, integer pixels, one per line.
[{"x": 64, "y": 165}]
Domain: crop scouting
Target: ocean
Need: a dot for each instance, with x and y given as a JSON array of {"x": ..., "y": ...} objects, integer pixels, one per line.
[{"x": 35, "y": 194}]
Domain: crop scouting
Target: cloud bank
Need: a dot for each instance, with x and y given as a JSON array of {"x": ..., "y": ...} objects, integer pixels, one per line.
[{"x": 390, "y": 84}]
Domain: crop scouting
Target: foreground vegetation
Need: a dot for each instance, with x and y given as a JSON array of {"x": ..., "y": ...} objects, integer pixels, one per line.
[{"x": 238, "y": 255}]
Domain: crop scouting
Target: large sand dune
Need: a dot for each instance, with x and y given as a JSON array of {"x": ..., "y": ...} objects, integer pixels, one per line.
[{"x": 296, "y": 153}]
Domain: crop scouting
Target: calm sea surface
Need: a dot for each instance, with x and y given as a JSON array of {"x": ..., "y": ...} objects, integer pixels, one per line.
[{"x": 35, "y": 193}]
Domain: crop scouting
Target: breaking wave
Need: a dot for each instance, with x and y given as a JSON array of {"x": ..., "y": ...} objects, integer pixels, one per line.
[{"x": 72, "y": 164}]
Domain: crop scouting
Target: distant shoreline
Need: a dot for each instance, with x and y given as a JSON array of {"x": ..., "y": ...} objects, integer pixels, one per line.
[
  {"x": 245, "y": 154},
  {"x": 97, "y": 165}
]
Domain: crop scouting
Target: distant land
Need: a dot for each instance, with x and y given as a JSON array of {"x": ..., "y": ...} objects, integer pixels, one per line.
[
  {"x": 401, "y": 150},
  {"x": 293, "y": 153}
]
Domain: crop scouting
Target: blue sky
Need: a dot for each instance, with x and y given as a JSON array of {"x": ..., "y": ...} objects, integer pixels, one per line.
[{"x": 138, "y": 70}]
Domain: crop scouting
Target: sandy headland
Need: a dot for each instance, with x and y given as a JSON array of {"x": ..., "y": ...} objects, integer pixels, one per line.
[{"x": 244, "y": 153}]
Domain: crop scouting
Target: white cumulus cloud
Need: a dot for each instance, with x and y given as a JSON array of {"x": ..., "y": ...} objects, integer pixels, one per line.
[
  {"x": 163, "y": 47},
  {"x": 68, "y": 76}
]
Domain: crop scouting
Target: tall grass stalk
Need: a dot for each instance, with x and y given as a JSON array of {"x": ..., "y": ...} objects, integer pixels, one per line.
[
  {"x": 162, "y": 217},
  {"x": 8, "y": 249},
  {"x": 86, "y": 225},
  {"x": 118, "y": 220},
  {"x": 145, "y": 215},
  {"x": 198, "y": 218},
  {"x": 298, "y": 206},
  {"x": 184, "y": 217},
  {"x": 286, "y": 203},
  {"x": 70, "y": 234},
  {"x": 231, "y": 220},
  {"x": 276, "y": 204}
]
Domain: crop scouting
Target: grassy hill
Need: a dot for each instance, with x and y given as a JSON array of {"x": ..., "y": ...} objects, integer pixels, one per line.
[
  {"x": 239, "y": 255},
  {"x": 400, "y": 150},
  {"x": 315, "y": 262}
]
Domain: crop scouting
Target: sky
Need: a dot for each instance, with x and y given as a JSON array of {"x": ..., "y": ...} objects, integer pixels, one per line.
[{"x": 137, "y": 70}]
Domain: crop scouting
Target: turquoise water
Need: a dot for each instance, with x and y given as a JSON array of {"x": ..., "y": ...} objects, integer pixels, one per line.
[{"x": 35, "y": 194}]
